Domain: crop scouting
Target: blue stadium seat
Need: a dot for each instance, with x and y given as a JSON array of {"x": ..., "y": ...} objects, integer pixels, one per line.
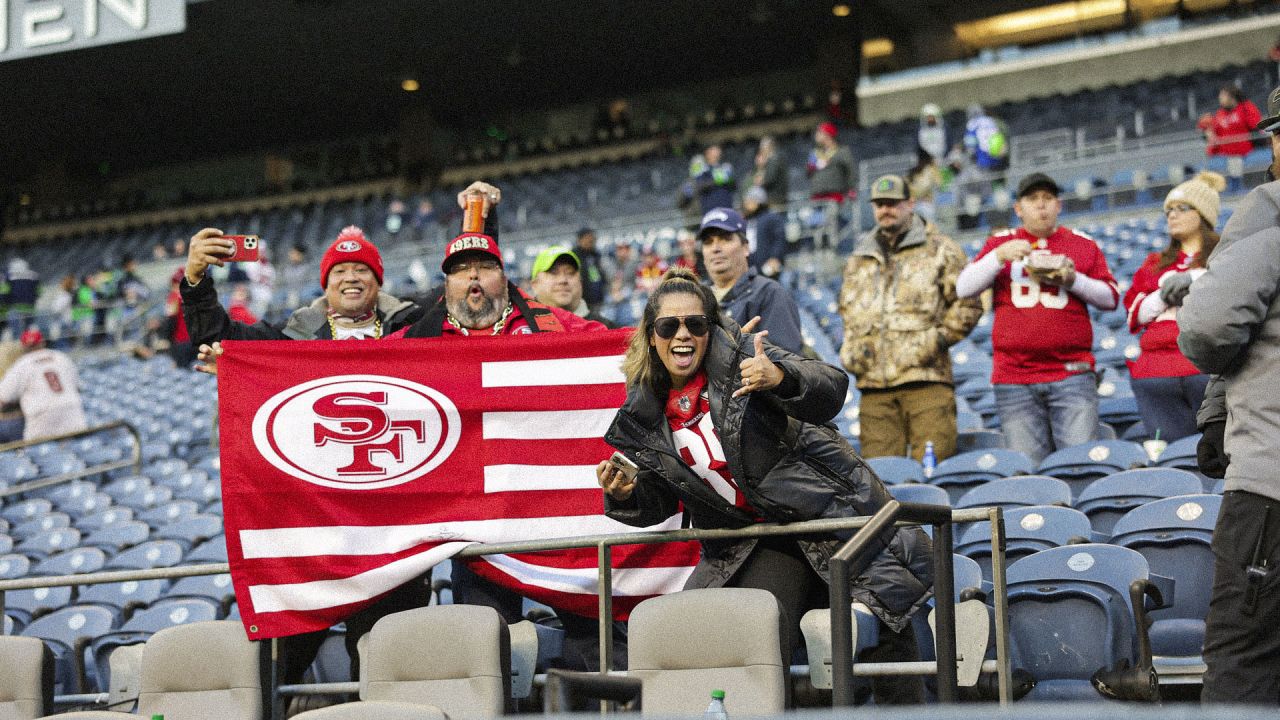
[
  {"x": 119, "y": 536},
  {"x": 1072, "y": 620},
  {"x": 170, "y": 512},
  {"x": 26, "y": 509},
  {"x": 14, "y": 566},
  {"x": 895, "y": 470},
  {"x": 24, "y": 605},
  {"x": 146, "y": 498},
  {"x": 212, "y": 587},
  {"x": 1108, "y": 498},
  {"x": 72, "y": 562},
  {"x": 1080, "y": 464},
  {"x": 68, "y": 632},
  {"x": 122, "y": 597},
  {"x": 103, "y": 518},
  {"x": 44, "y": 523},
  {"x": 191, "y": 531},
  {"x": 917, "y": 493},
  {"x": 1018, "y": 491},
  {"x": 50, "y": 542},
  {"x": 151, "y": 554},
  {"x": 126, "y": 486},
  {"x": 213, "y": 550},
  {"x": 1027, "y": 530},
  {"x": 1181, "y": 454},
  {"x": 1174, "y": 536},
  {"x": 962, "y": 472}
]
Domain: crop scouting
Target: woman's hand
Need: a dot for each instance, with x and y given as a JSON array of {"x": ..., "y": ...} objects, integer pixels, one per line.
[
  {"x": 614, "y": 482},
  {"x": 759, "y": 372}
]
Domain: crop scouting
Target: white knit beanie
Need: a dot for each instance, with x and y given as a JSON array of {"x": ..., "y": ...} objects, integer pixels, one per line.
[{"x": 1201, "y": 193}]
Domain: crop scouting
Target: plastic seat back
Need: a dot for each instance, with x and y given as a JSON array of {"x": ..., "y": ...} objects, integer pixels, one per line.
[
  {"x": 1108, "y": 498},
  {"x": 682, "y": 644}
]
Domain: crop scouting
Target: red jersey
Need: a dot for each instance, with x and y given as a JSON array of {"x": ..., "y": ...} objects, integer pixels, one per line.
[
  {"x": 688, "y": 413},
  {"x": 1042, "y": 332},
  {"x": 1160, "y": 354},
  {"x": 1231, "y": 129}
]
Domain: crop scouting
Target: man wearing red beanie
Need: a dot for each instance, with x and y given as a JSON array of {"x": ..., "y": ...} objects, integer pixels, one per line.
[{"x": 353, "y": 306}]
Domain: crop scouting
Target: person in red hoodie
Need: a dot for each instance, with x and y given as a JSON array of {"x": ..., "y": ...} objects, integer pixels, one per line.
[
  {"x": 1168, "y": 388},
  {"x": 1227, "y": 131}
]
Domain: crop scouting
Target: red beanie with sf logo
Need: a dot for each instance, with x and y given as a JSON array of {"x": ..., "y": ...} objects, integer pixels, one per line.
[{"x": 351, "y": 246}]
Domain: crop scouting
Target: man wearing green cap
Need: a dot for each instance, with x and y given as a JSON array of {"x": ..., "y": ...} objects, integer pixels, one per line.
[
  {"x": 557, "y": 282},
  {"x": 901, "y": 313}
]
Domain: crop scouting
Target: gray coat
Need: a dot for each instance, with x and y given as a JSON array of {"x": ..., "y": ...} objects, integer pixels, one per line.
[
  {"x": 1229, "y": 325},
  {"x": 788, "y": 461}
]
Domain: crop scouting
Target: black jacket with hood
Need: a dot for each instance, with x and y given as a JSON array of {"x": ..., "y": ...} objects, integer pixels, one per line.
[{"x": 789, "y": 462}]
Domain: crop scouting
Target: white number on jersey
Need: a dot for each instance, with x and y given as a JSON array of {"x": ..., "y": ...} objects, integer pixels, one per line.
[
  {"x": 1025, "y": 291},
  {"x": 704, "y": 447}
]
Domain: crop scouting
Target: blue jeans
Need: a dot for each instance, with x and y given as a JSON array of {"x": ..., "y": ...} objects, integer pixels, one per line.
[
  {"x": 1169, "y": 404},
  {"x": 1042, "y": 417}
]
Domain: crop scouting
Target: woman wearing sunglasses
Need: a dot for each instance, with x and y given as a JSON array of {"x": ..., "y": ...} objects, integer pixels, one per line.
[
  {"x": 736, "y": 431},
  {"x": 1168, "y": 388}
]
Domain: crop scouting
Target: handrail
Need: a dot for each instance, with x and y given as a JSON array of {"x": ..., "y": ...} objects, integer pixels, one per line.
[
  {"x": 842, "y": 613},
  {"x": 904, "y": 513},
  {"x": 135, "y": 459}
]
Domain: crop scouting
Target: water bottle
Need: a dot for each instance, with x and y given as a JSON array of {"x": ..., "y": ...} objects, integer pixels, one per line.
[
  {"x": 716, "y": 711},
  {"x": 930, "y": 460}
]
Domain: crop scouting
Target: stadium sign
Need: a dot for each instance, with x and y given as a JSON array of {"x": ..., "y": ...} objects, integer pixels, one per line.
[{"x": 43, "y": 27}]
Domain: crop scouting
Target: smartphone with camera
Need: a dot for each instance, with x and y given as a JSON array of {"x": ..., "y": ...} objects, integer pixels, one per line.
[
  {"x": 624, "y": 465},
  {"x": 246, "y": 248}
]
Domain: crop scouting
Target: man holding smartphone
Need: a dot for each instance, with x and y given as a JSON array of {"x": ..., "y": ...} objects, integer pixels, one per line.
[{"x": 353, "y": 305}]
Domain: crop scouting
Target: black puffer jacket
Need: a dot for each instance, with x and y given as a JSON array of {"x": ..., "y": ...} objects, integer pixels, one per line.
[{"x": 787, "y": 459}]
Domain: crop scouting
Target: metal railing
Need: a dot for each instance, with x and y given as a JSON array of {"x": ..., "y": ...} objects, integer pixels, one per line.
[
  {"x": 894, "y": 512},
  {"x": 135, "y": 458}
]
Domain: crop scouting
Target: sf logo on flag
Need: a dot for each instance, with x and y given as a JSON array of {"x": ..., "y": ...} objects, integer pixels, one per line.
[{"x": 357, "y": 432}]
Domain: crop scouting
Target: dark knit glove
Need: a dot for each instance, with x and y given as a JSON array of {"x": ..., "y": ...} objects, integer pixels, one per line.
[{"x": 1211, "y": 454}]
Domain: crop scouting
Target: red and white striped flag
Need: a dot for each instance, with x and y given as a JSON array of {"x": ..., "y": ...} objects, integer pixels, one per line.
[{"x": 349, "y": 469}]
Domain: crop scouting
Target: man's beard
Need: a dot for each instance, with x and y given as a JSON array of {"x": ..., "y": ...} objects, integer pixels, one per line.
[{"x": 476, "y": 319}]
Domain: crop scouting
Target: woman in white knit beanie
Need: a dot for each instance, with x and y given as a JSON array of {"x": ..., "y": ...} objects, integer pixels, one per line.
[{"x": 1166, "y": 385}]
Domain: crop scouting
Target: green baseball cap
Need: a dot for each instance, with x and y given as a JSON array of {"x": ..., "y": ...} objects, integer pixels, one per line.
[
  {"x": 548, "y": 257},
  {"x": 890, "y": 187}
]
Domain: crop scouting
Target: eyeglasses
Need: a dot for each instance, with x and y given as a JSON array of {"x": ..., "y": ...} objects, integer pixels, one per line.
[
  {"x": 465, "y": 266},
  {"x": 667, "y": 327},
  {"x": 1180, "y": 207}
]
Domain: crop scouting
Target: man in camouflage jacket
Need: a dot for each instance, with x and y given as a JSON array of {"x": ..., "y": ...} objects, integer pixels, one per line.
[{"x": 901, "y": 313}]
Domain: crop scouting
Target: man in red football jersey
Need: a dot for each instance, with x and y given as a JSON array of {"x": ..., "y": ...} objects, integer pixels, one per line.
[{"x": 1045, "y": 276}]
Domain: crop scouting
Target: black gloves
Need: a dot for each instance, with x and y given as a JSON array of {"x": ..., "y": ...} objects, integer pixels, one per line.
[
  {"x": 1175, "y": 288},
  {"x": 1210, "y": 454}
]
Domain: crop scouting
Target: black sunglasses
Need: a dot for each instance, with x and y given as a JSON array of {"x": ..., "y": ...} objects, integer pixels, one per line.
[{"x": 667, "y": 327}]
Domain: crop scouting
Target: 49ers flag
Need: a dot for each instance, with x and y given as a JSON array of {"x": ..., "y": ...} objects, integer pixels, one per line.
[{"x": 351, "y": 468}]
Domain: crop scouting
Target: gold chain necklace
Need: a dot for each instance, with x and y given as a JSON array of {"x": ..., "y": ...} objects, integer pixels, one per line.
[
  {"x": 497, "y": 327},
  {"x": 377, "y": 328}
]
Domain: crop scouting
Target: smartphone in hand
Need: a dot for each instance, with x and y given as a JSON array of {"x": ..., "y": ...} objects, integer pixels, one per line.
[
  {"x": 624, "y": 465},
  {"x": 246, "y": 248}
]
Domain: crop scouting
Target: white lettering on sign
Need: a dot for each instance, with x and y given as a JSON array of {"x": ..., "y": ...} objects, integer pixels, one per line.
[
  {"x": 35, "y": 36},
  {"x": 133, "y": 12},
  {"x": 30, "y": 28}
]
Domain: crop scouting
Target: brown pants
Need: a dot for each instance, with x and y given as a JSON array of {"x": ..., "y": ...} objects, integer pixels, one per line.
[{"x": 912, "y": 414}]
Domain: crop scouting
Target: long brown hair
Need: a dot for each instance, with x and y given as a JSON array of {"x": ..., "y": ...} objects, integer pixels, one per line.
[
  {"x": 641, "y": 364},
  {"x": 1208, "y": 241}
]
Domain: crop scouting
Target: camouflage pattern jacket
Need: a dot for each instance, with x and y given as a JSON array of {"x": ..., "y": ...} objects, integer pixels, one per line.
[{"x": 901, "y": 313}]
